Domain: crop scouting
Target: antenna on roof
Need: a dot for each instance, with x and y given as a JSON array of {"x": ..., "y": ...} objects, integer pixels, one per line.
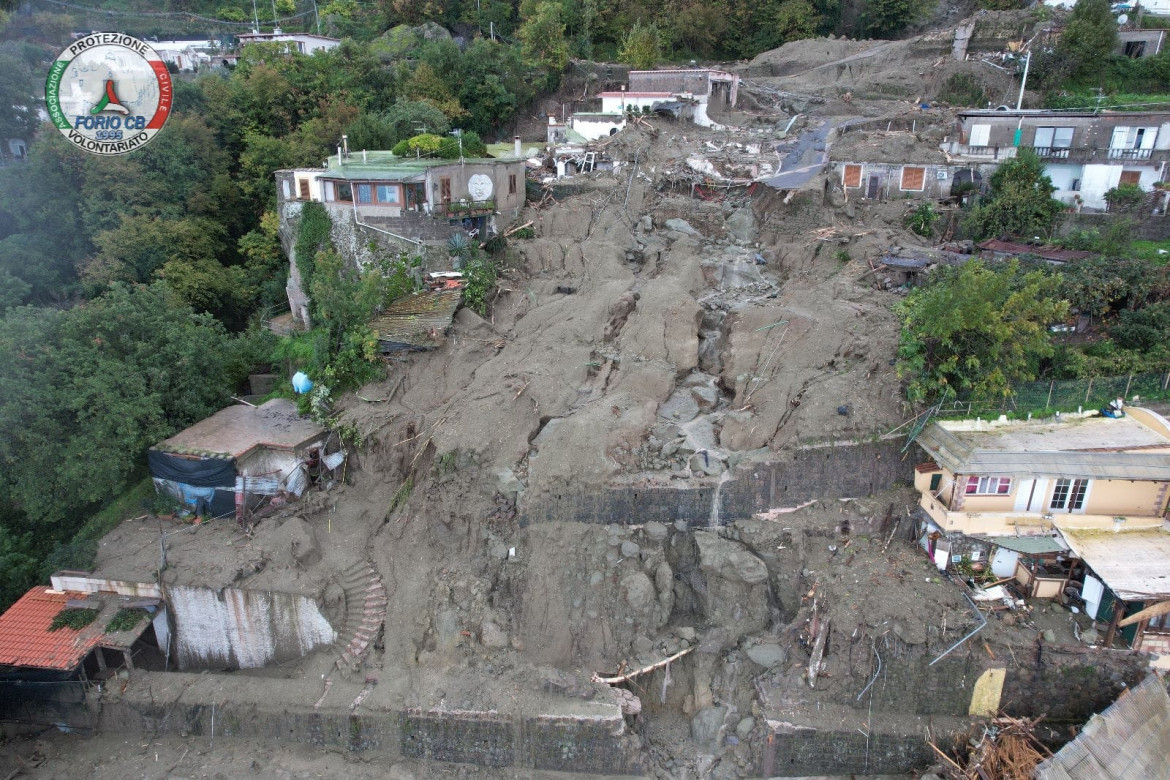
[{"x": 255, "y": 19}]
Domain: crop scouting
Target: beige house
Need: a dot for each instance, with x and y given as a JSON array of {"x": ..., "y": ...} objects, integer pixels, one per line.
[{"x": 1013, "y": 478}]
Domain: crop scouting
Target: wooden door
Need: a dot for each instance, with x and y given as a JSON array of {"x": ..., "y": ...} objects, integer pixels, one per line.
[{"x": 874, "y": 187}]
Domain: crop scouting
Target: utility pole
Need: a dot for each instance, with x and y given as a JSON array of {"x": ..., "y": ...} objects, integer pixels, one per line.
[
  {"x": 255, "y": 18},
  {"x": 1024, "y": 81},
  {"x": 318, "y": 15}
]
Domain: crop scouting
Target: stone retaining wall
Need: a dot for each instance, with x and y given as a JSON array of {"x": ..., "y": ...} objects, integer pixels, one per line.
[{"x": 830, "y": 471}]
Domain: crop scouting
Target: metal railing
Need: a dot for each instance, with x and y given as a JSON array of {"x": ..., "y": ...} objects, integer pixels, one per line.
[
  {"x": 471, "y": 208},
  {"x": 1052, "y": 152}
]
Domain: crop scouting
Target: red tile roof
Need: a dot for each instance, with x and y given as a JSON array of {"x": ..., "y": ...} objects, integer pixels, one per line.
[{"x": 25, "y": 639}]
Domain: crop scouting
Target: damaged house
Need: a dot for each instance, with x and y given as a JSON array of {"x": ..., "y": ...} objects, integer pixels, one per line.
[
  {"x": 242, "y": 457},
  {"x": 1085, "y": 154},
  {"x": 1072, "y": 509}
]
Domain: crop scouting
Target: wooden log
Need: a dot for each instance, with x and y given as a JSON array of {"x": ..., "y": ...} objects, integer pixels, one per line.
[{"x": 620, "y": 678}]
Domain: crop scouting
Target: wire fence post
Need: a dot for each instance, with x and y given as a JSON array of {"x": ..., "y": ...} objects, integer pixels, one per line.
[
  {"x": 1048, "y": 403},
  {"x": 1088, "y": 390},
  {"x": 1128, "y": 382}
]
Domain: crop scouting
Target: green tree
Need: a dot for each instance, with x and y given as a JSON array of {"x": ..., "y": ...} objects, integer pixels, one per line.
[
  {"x": 86, "y": 391},
  {"x": 977, "y": 330},
  {"x": 542, "y": 36},
  {"x": 17, "y": 94},
  {"x": 888, "y": 18},
  {"x": 1088, "y": 40},
  {"x": 642, "y": 46},
  {"x": 796, "y": 20},
  {"x": 1020, "y": 202}
]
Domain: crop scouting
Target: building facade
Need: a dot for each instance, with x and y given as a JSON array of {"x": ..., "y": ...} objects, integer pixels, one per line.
[
  {"x": 1085, "y": 154},
  {"x": 1011, "y": 478}
]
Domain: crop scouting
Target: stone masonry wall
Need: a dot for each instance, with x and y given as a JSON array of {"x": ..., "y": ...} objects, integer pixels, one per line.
[
  {"x": 841, "y": 471},
  {"x": 797, "y": 751},
  {"x": 597, "y": 745}
]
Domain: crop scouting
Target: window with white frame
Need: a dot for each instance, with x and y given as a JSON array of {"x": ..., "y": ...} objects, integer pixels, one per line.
[
  {"x": 1053, "y": 138},
  {"x": 988, "y": 486},
  {"x": 1069, "y": 494}
]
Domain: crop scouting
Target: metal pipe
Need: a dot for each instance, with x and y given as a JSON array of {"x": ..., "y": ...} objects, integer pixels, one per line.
[
  {"x": 359, "y": 223},
  {"x": 978, "y": 628},
  {"x": 1024, "y": 82}
]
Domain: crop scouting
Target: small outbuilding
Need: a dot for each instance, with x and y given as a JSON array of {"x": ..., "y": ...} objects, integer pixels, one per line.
[{"x": 241, "y": 455}]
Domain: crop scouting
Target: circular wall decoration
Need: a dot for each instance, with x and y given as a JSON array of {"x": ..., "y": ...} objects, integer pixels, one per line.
[
  {"x": 479, "y": 187},
  {"x": 109, "y": 93}
]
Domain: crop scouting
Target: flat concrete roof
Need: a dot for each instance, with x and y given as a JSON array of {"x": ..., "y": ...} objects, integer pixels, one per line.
[
  {"x": 237, "y": 430},
  {"x": 1093, "y": 447},
  {"x": 1134, "y": 564},
  {"x": 1071, "y": 434}
]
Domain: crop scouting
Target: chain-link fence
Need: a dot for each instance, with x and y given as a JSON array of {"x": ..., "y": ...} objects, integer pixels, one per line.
[{"x": 1069, "y": 395}]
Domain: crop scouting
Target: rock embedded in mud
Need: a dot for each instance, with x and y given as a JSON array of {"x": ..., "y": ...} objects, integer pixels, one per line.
[
  {"x": 639, "y": 591},
  {"x": 630, "y": 549},
  {"x": 492, "y": 636},
  {"x": 655, "y": 532},
  {"x": 681, "y": 226},
  {"x": 729, "y": 560},
  {"x": 767, "y": 654},
  {"x": 706, "y": 727}
]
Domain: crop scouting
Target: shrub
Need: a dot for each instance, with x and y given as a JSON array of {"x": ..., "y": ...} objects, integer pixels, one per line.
[
  {"x": 76, "y": 619},
  {"x": 1125, "y": 198},
  {"x": 922, "y": 219},
  {"x": 963, "y": 89}
]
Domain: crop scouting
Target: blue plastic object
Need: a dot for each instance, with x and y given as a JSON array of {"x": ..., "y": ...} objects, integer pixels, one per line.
[{"x": 301, "y": 383}]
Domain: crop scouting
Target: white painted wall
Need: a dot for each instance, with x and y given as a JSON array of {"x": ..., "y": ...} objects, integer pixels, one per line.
[
  {"x": 1096, "y": 181},
  {"x": 595, "y": 128},
  {"x": 243, "y": 628}
]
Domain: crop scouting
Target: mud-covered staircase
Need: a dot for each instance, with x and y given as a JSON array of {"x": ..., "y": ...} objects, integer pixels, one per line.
[{"x": 365, "y": 612}]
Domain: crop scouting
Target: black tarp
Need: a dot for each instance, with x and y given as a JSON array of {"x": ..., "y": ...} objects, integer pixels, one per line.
[{"x": 204, "y": 472}]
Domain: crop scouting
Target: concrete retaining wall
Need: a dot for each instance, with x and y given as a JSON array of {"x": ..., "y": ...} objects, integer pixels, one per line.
[
  {"x": 799, "y": 751},
  {"x": 599, "y": 745},
  {"x": 841, "y": 471},
  {"x": 242, "y": 628}
]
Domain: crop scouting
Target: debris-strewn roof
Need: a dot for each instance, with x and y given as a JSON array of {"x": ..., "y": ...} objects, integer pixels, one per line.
[
  {"x": 1091, "y": 447},
  {"x": 237, "y": 430},
  {"x": 1036, "y": 544},
  {"x": 418, "y": 321},
  {"x": 25, "y": 639},
  {"x": 1046, "y": 252},
  {"x": 1134, "y": 564},
  {"x": 1131, "y": 739}
]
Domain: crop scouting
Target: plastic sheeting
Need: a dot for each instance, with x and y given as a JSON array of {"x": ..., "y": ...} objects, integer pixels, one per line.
[{"x": 201, "y": 472}]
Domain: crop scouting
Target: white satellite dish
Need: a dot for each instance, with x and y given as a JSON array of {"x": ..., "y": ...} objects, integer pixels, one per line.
[{"x": 1123, "y": 19}]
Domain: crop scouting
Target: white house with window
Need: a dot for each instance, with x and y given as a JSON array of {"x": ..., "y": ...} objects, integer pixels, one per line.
[{"x": 1086, "y": 154}]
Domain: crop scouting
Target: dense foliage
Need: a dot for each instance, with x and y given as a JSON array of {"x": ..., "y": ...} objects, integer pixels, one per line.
[
  {"x": 975, "y": 330},
  {"x": 1020, "y": 202}
]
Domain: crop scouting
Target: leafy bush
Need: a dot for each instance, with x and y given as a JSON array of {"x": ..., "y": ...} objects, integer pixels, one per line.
[
  {"x": 1144, "y": 329},
  {"x": 922, "y": 219},
  {"x": 126, "y": 619},
  {"x": 480, "y": 276},
  {"x": 964, "y": 89},
  {"x": 1125, "y": 198},
  {"x": 469, "y": 144},
  {"x": 76, "y": 619}
]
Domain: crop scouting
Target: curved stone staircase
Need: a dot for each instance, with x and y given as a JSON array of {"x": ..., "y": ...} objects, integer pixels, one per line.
[{"x": 365, "y": 612}]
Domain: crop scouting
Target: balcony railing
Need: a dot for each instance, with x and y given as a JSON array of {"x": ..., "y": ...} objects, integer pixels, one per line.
[
  {"x": 459, "y": 209},
  {"x": 1052, "y": 152},
  {"x": 982, "y": 151},
  {"x": 1129, "y": 154}
]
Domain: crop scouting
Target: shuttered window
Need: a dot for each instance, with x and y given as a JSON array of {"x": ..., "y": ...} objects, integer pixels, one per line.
[
  {"x": 852, "y": 176},
  {"x": 1130, "y": 177},
  {"x": 913, "y": 178}
]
